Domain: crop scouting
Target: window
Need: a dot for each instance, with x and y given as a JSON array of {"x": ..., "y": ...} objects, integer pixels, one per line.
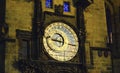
[
  {"x": 24, "y": 49},
  {"x": 49, "y": 3},
  {"x": 109, "y": 25},
  {"x": 66, "y": 7},
  {"x": 119, "y": 14}
]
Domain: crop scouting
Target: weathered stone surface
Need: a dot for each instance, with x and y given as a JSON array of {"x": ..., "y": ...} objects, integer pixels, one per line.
[
  {"x": 19, "y": 15},
  {"x": 96, "y": 27}
]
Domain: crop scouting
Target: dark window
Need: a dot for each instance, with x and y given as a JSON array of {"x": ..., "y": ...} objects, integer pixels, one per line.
[
  {"x": 24, "y": 49},
  {"x": 119, "y": 14},
  {"x": 49, "y": 3},
  {"x": 109, "y": 25},
  {"x": 66, "y": 7}
]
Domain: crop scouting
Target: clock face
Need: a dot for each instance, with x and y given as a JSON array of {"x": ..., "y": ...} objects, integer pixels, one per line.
[{"x": 60, "y": 41}]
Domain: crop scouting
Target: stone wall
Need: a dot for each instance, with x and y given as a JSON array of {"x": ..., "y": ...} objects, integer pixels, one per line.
[
  {"x": 95, "y": 20},
  {"x": 116, "y": 36},
  {"x": 96, "y": 28},
  {"x": 19, "y": 15},
  {"x": 116, "y": 65}
]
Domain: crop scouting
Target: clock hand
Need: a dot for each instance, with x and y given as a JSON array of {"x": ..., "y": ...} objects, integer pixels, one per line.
[
  {"x": 71, "y": 44},
  {"x": 48, "y": 43},
  {"x": 60, "y": 41},
  {"x": 54, "y": 39},
  {"x": 47, "y": 37},
  {"x": 63, "y": 42}
]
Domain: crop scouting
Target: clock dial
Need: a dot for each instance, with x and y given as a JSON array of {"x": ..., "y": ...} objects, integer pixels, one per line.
[{"x": 60, "y": 41}]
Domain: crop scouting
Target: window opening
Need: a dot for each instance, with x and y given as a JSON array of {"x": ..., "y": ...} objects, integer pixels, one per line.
[
  {"x": 66, "y": 7},
  {"x": 49, "y": 3}
]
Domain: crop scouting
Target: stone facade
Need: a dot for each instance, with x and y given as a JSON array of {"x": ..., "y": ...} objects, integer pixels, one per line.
[
  {"x": 116, "y": 35},
  {"x": 19, "y": 14},
  {"x": 95, "y": 20}
]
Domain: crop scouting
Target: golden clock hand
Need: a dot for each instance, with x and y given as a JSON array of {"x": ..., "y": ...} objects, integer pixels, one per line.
[
  {"x": 71, "y": 44},
  {"x": 53, "y": 39},
  {"x": 63, "y": 42},
  {"x": 47, "y": 37},
  {"x": 58, "y": 40}
]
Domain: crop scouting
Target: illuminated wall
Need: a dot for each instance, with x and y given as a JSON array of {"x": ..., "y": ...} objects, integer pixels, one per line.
[
  {"x": 95, "y": 20},
  {"x": 19, "y": 15}
]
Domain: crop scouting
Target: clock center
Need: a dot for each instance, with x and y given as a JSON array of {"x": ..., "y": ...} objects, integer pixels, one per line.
[{"x": 58, "y": 40}]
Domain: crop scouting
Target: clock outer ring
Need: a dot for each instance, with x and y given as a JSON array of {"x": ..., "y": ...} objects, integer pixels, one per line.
[{"x": 73, "y": 29}]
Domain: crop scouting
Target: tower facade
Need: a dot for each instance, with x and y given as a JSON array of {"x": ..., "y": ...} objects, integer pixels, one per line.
[{"x": 52, "y": 36}]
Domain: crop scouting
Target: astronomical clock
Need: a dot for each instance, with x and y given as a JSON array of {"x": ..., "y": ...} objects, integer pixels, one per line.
[
  {"x": 59, "y": 30},
  {"x": 58, "y": 37},
  {"x": 60, "y": 48},
  {"x": 59, "y": 40}
]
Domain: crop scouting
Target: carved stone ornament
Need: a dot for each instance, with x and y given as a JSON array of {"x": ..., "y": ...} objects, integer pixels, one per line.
[{"x": 59, "y": 9}]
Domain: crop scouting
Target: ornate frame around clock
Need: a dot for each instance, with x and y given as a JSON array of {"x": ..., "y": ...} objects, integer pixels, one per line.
[
  {"x": 50, "y": 63},
  {"x": 73, "y": 27}
]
